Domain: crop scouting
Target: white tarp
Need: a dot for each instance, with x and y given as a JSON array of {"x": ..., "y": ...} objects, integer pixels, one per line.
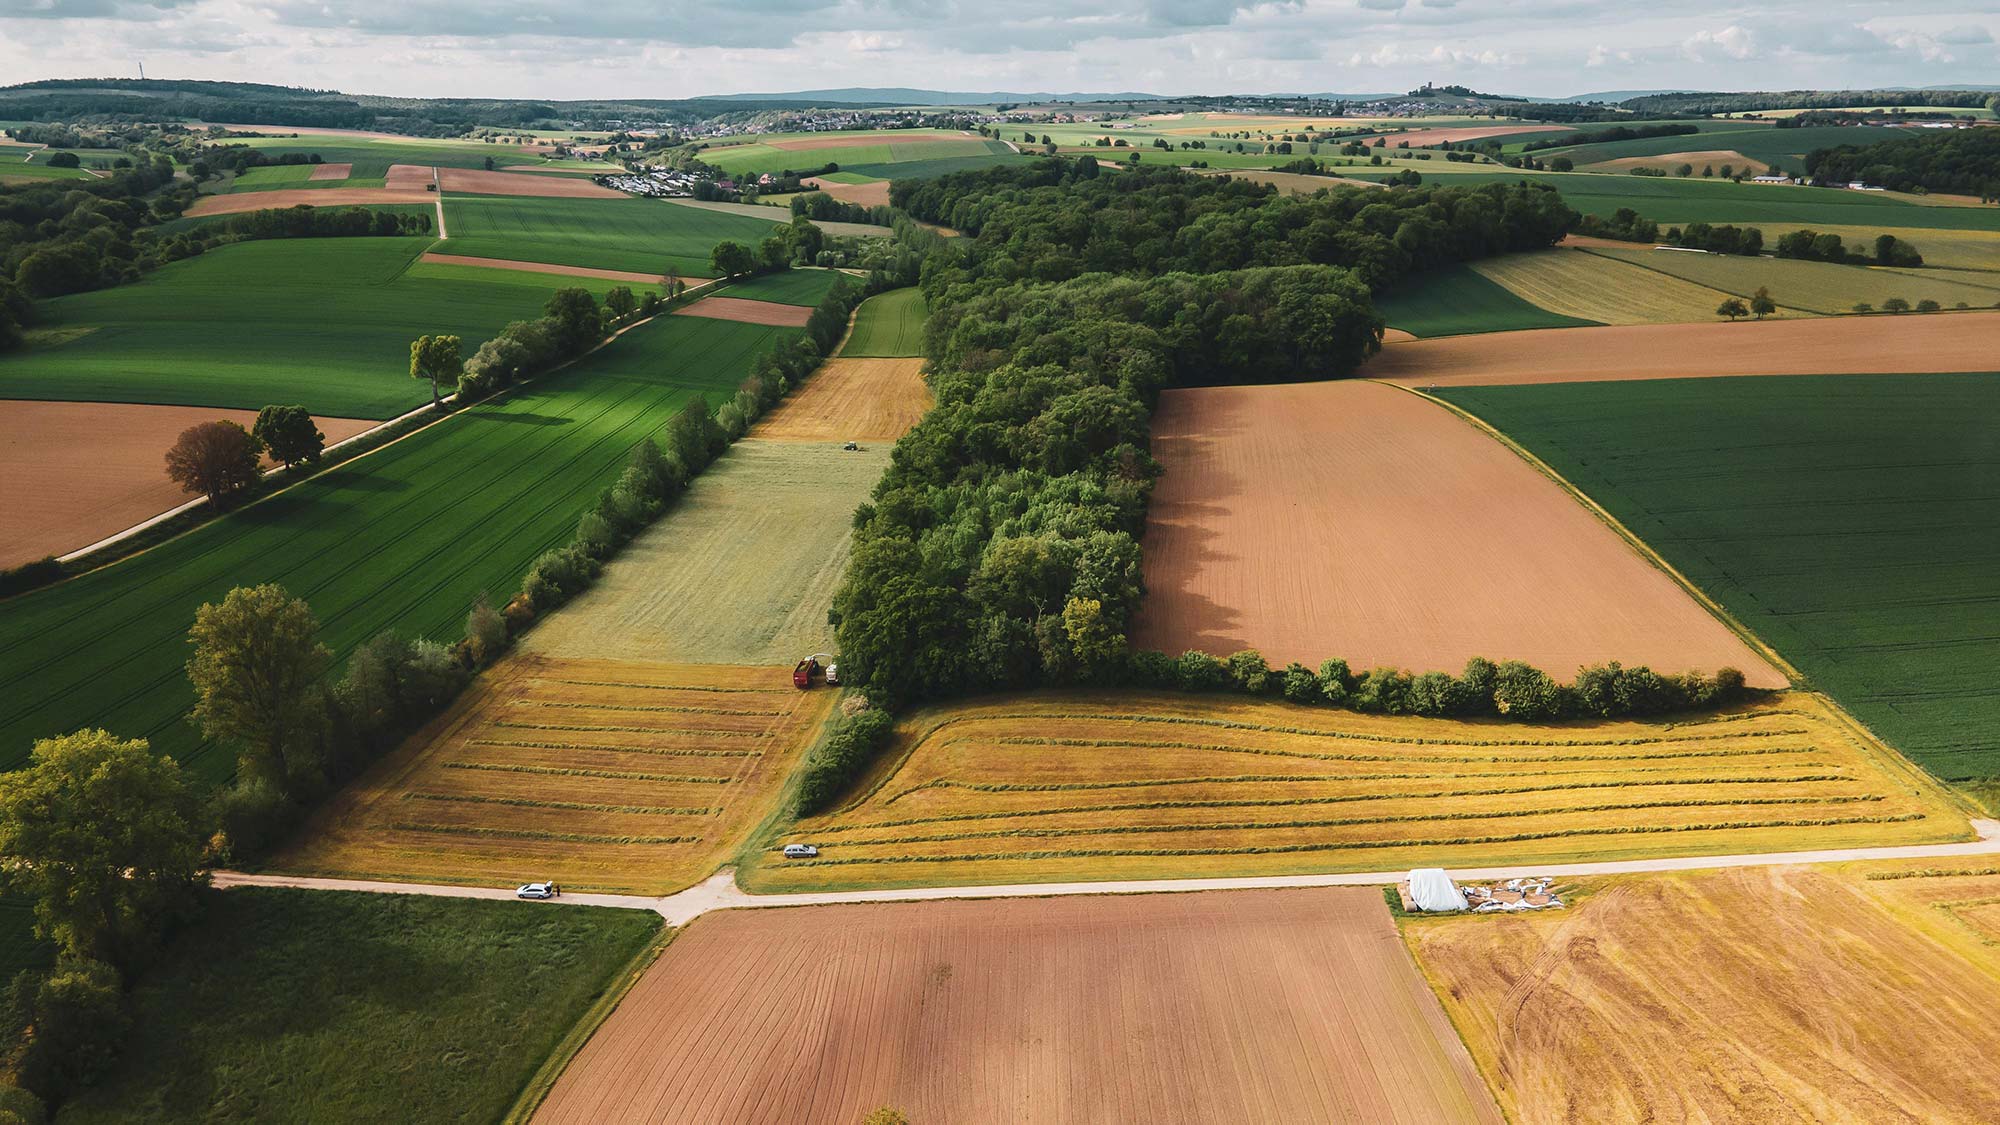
[{"x": 1432, "y": 889}]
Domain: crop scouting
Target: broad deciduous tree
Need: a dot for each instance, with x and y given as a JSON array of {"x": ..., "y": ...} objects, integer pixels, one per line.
[
  {"x": 214, "y": 459},
  {"x": 437, "y": 359},
  {"x": 256, "y": 668},
  {"x": 289, "y": 433}
]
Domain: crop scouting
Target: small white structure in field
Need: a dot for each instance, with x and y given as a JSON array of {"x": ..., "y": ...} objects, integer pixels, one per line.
[{"x": 1431, "y": 889}]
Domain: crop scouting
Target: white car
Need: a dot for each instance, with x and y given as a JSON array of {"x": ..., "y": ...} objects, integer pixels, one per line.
[
  {"x": 800, "y": 851},
  {"x": 536, "y": 890}
]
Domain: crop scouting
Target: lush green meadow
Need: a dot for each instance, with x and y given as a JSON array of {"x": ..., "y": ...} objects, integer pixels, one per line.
[
  {"x": 638, "y": 235},
  {"x": 372, "y": 158},
  {"x": 789, "y": 287},
  {"x": 186, "y": 223},
  {"x": 755, "y": 158},
  {"x": 889, "y": 325},
  {"x": 933, "y": 167},
  {"x": 406, "y": 538},
  {"x": 332, "y": 1007},
  {"x": 323, "y": 322},
  {"x": 1457, "y": 301},
  {"x": 1846, "y": 519}
]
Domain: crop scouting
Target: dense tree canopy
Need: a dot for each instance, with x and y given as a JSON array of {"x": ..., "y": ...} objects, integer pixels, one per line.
[{"x": 1947, "y": 160}]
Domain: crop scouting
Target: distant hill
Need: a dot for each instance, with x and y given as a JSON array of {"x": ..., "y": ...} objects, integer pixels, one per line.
[{"x": 903, "y": 95}]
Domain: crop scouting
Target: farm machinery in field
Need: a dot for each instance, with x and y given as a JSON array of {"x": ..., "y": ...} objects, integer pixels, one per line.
[{"x": 817, "y": 668}]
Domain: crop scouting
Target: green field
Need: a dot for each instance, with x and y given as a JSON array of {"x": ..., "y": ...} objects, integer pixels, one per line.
[
  {"x": 889, "y": 324},
  {"x": 323, "y": 322},
  {"x": 1846, "y": 519},
  {"x": 1767, "y": 145},
  {"x": 406, "y": 538},
  {"x": 1821, "y": 287},
  {"x": 789, "y": 287},
  {"x": 755, "y": 158},
  {"x": 639, "y": 235},
  {"x": 372, "y": 158},
  {"x": 331, "y": 1007},
  {"x": 1458, "y": 302},
  {"x": 932, "y": 168}
]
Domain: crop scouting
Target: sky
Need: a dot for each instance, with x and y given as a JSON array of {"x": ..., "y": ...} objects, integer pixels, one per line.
[{"x": 679, "y": 48}]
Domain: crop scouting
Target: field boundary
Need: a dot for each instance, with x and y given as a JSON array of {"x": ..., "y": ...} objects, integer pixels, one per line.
[{"x": 544, "y": 1079}]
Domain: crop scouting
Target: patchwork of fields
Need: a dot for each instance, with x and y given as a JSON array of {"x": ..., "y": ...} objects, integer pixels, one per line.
[
  {"x": 1847, "y": 520},
  {"x": 1136, "y": 785},
  {"x": 641, "y": 235},
  {"x": 853, "y": 152},
  {"x": 1600, "y": 289},
  {"x": 600, "y": 774},
  {"x": 1460, "y": 301}
]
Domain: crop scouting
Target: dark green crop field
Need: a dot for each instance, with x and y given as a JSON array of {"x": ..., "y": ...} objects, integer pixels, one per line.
[
  {"x": 640, "y": 235},
  {"x": 322, "y": 322},
  {"x": 1849, "y": 520},
  {"x": 404, "y": 538},
  {"x": 336, "y": 1007},
  {"x": 1457, "y": 301},
  {"x": 934, "y": 167},
  {"x": 789, "y": 287},
  {"x": 889, "y": 324}
]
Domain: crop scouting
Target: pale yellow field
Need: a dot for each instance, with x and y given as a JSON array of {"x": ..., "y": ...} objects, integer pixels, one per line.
[
  {"x": 1948, "y": 249},
  {"x": 1823, "y": 287},
  {"x": 1770, "y": 995},
  {"x": 1110, "y": 785},
  {"x": 599, "y": 774},
  {"x": 1577, "y": 283}
]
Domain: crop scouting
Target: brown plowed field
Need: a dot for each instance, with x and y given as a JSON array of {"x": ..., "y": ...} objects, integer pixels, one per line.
[
  {"x": 875, "y": 194},
  {"x": 1266, "y": 1006},
  {"x": 1839, "y": 345},
  {"x": 545, "y": 267},
  {"x": 236, "y": 202},
  {"x": 1768, "y": 995},
  {"x": 331, "y": 171},
  {"x": 79, "y": 471},
  {"x": 1418, "y": 138},
  {"x": 851, "y": 400},
  {"x": 606, "y": 775},
  {"x": 472, "y": 181},
  {"x": 748, "y": 311},
  {"x": 410, "y": 177},
  {"x": 1358, "y": 520}
]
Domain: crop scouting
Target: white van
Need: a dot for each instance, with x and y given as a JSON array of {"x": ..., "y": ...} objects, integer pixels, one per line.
[{"x": 800, "y": 851}]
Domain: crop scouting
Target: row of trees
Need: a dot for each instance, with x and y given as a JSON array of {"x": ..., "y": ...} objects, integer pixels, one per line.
[
  {"x": 798, "y": 244},
  {"x": 220, "y": 459},
  {"x": 1812, "y": 246},
  {"x": 1947, "y": 160}
]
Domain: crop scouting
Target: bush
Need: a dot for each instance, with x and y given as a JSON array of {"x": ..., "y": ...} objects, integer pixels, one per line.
[
  {"x": 253, "y": 816},
  {"x": 842, "y": 754},
  {"x": 19, "y": 1106},
  {"x": 1524, "y": 692},
  {"x": 1147, "y": 668},
  {"x": 1335, "y": 681},
  {"x": 558, "y": 576},
  {"x": 1300, "y": 685},
  {"x": 485, "y": 632},
  {"x": 77, "y": 1022},
  {"x": 1249, "y": 672},
  {"x": 1198, "y": 671}
]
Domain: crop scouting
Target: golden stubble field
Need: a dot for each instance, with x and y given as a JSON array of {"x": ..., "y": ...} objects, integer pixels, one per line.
[
  {"x": 1862, "y": 993},
  {"x": 1266, "y": 1006},
  {"x": 599, "y": 774},
  {"x": 1136, "y": 785}
]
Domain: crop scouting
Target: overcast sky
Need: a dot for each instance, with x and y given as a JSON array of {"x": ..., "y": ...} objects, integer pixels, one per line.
[{"x": 677, "y": 48}]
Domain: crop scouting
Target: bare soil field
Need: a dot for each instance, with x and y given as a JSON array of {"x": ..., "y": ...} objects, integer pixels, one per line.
[
  {"x": 1224, "y": 1006},
  {"x": 874, "y": 194},
  {"x": 1771, "y": 995},
  {"x": 1418, "y": 138},
  {"x": 79, "y": 471},
  {"x": 544, "y": 267},
  {"x": 1845, "y": 345},
  {"x": 410, "y": 177},
  {"x": 472, "y": 181},
  {"x": 312, "y": 197},
  {"x": 1708, "y": 156},
  {"x": 1357, "y": 520},
  {"x": 851, "y": 400},
  {"x": 748, "y": 311},
  {"x": 599, "y": 774},
  {"x": 1079, "y": 786},
  {"x": 741, "y": 571},
  {"x": 331, "y": 172}
]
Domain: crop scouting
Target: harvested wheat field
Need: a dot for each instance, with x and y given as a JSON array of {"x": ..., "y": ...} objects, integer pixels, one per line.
[
  {"x": 79, "y": 471},
  {"x": 472, "y": 181},
  {"x": 1218, "y": 1007},
  {"x": 1786, "y": 994},
  {"x": 741, "y": 571},
  {"x": 237, "y": 202},
  {"x": 331, "y": 172},
  {"x": 600, "y": 774},
  {"x": 851, "y": 400},
  {"x": 546, "y": 267},
  {"x": 747, "y": 311},
  {"x": 872, "y": 194},
  {"x": 1593, "y": 287},
  {"x": 1843, "y": 345},
  {"x": 1145, "y": 785},
  {"x": 1361, "y": 521}
]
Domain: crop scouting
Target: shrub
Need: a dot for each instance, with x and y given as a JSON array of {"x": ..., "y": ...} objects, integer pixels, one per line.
[
  {"x": 252, "y": 817},
  {"x": 840, "y": 757},
  {"x": 1524, "y": 692},
  {"x": 1335, "y": 681},
  {"x": 1153, "y": 669},
  {"x": 485, "y": 632},
  {"x": 1384, "y": 690},
  {"x": 1198, "y": 671},
  {"x": 19, "y": 1106},
  {"x": 1248, "y": 671},
  {"x": 77, "y": 1021},
  {"x": 558, "y": 576},
  {"x": 1300, "y": 685}
]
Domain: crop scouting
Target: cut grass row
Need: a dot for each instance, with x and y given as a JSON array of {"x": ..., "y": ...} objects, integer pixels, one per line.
[
  {"x": 1847, "y": 520},
  {"x": 636, "y": 235},
  {"x": 406, "y": 538}
]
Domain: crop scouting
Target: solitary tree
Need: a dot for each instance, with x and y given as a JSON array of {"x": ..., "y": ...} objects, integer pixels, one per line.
[
  {"x": 436, "y": 358},
  {"x": 105, "y": 838},
  {"x": 1732, "y": 308},
  {"x": 1761, "y": 303},
  {"x": 288, "y": 432},
  {"x": 732, "y": 258},
  {"x": 214, "y": 459},
  {"x": 256, "y": 666}
]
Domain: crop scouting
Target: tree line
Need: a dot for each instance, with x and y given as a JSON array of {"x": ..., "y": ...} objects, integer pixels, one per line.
[{"x": 1965, "y": 161}]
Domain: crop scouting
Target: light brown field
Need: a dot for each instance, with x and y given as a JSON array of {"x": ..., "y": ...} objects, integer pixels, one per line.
[
  {"x": 600, "y": 774},
  {"x": 545, "y": 267},
  {"x": 79, "y": 471},
  {"x": 1769, "y": 995},
  {"x": 1608, "y": 290},
  {"x": 409, "y": 177},
  {"x": 472, "y": 181},
  {"x": 331, "y": 172},
  {"x": 748, "y": 311},
  {"x": 864, "y": 140},
  {"x": 873, "y": 194},
  {"x": 1082, "y": 786},
  {"x": 1358, "y": 520},
  {"x": 851, "y": 400},
  {"x": 1709, "y": 156},
  {"x": 1846, "y": 345},
  {"x": 742, "y": 570},
  {"x": 1220, "y": 1007},
  {"x": 236, "y": 202},
  {"x": 1419, "y": 138}
]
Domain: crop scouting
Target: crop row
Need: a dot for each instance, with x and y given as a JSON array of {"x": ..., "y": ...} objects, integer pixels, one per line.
[
  {"x": 669, "y": 751},
  {"x": 1933, "y": 873},
  {"x": 569, "y": 771},
  {"x": 533, "y": 834},
  {"x": 671, "y": 687},
  {"x": 1247, "y": 779},
  {"x": 667, "y": 708},
  {"x": 576, "y": 806},
  {"x": 1358, "y": 736},
  {"x": 1495, "y": 759}
]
